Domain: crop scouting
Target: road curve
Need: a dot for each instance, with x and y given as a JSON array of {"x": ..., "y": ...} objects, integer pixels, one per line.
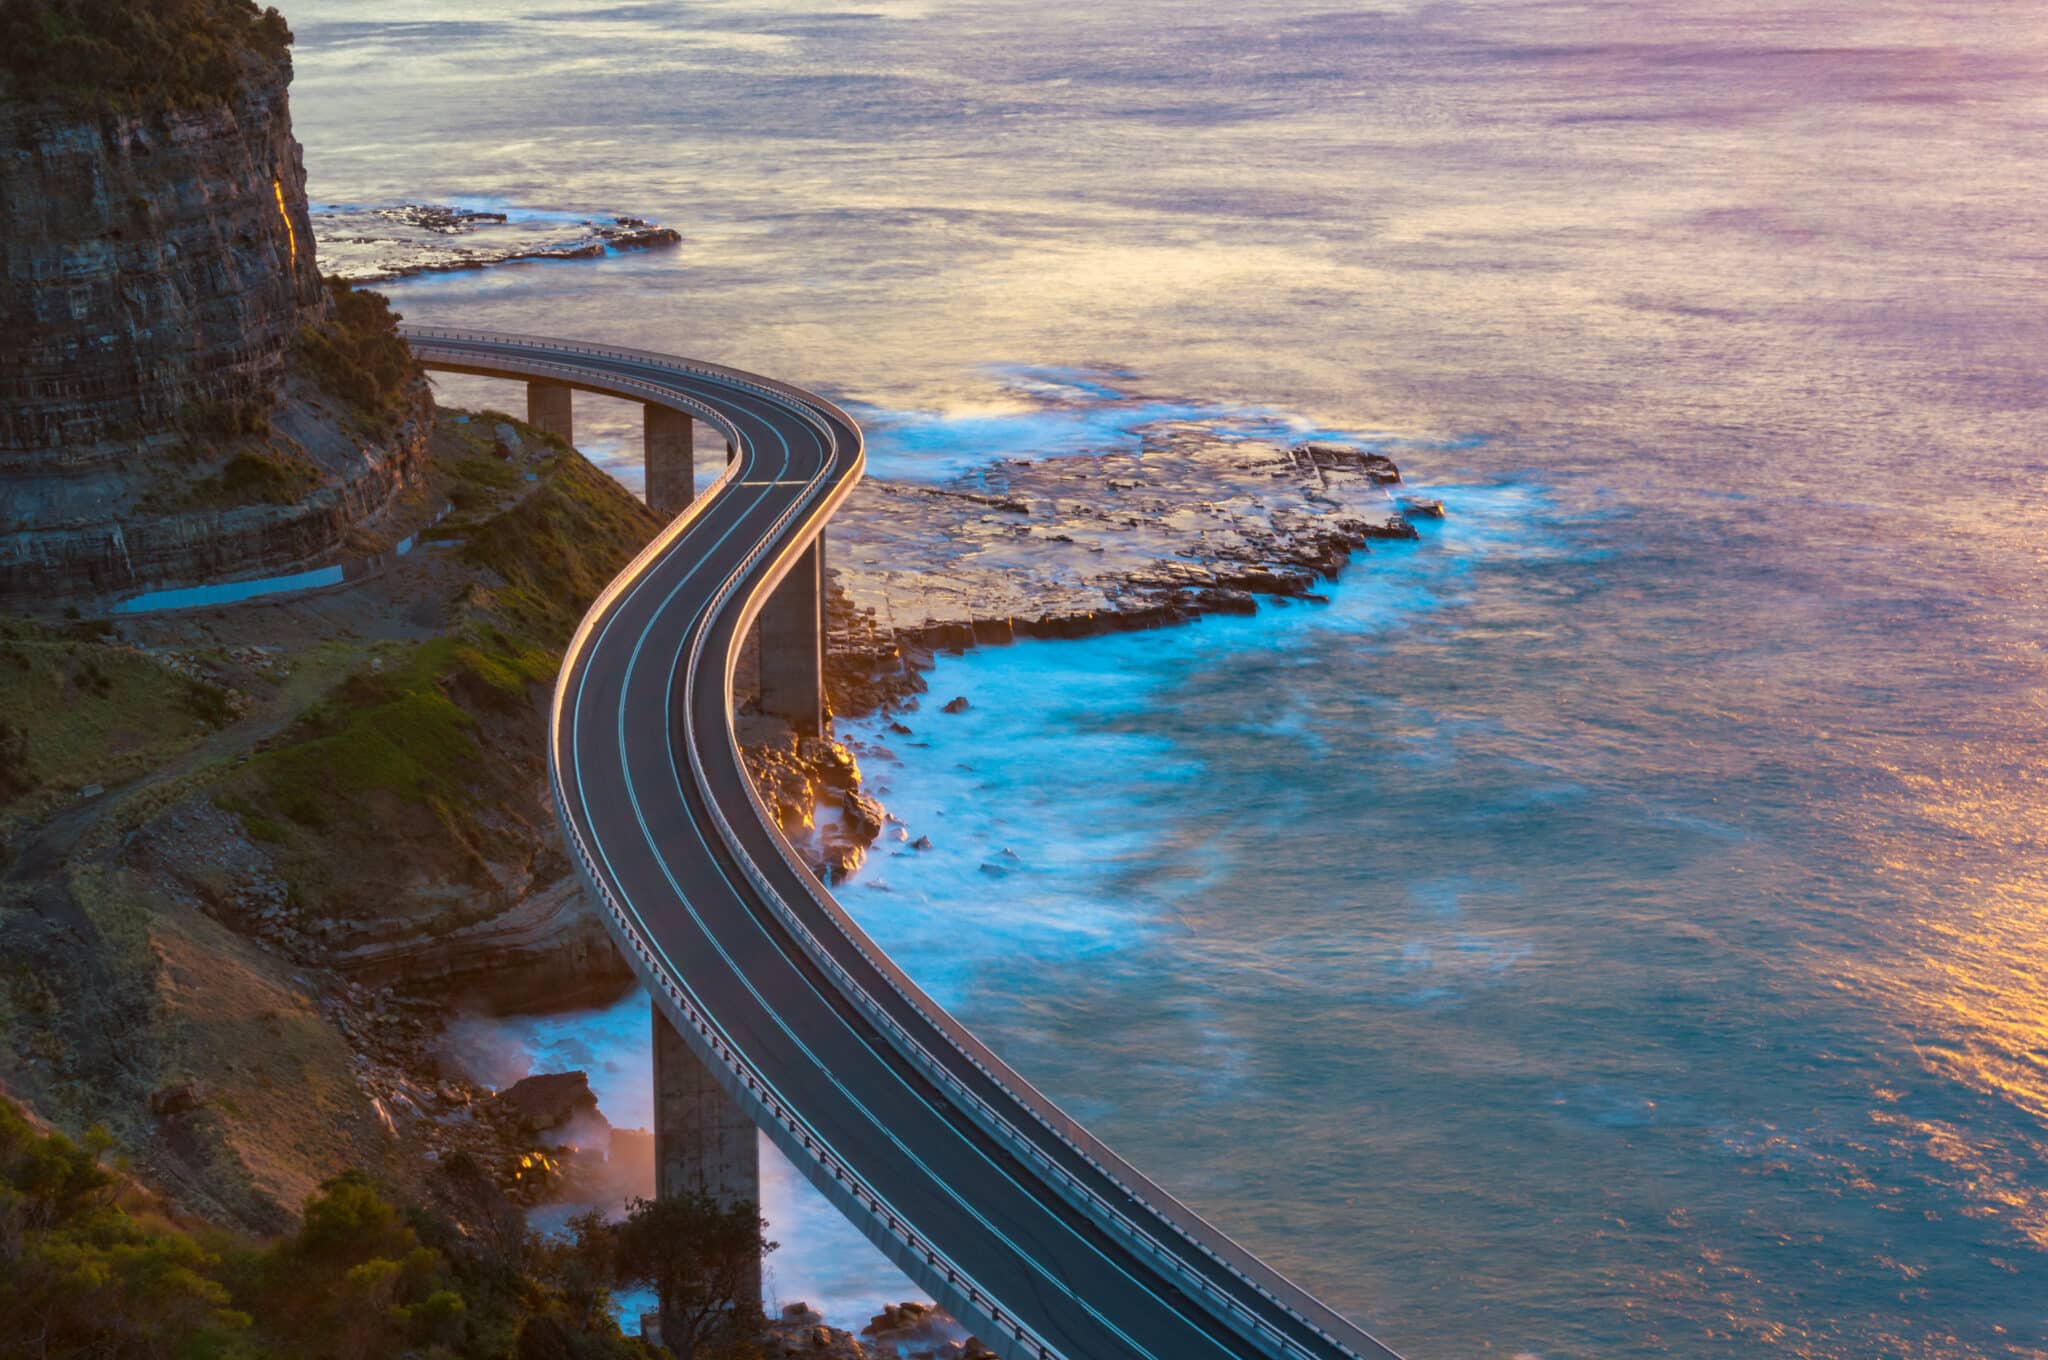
[{"x": 1012, "y": 1215}]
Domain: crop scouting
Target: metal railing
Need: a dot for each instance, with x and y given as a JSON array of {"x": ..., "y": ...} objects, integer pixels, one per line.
[
  {"x": 661, "y": 974},
  {"x": 819, "y": 498}
]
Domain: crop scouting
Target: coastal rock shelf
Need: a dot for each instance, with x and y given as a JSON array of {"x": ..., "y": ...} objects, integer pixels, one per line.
[
  {"x": 1065, "y": 547},
  {"x": 376, "y": 243}
]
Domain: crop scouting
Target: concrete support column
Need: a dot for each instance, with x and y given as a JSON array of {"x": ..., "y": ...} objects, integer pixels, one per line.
[
  {"x": 703, "y": 1140},
  {"x": 550, "y": 407},
  {"x": 669, "y": 437},
  {"x": 793, "y": 645}
]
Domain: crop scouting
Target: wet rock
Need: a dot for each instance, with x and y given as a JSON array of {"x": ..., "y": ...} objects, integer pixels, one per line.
[
  {"x": 1075, "y": 546},
  {"x": 369, "y": 244},
  {"x": 957, "y": 704},
  {"x": 865, "y": 813},
  {"x": 921, "y": 843},
  {"x": 549, "y": 1101},
  {"x": 800, "y": 1331}
]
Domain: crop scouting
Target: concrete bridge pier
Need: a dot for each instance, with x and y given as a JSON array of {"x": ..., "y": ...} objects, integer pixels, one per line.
[
  {"x": 669, "y": 437},
  {"x": 793, "y": 645},
  {"x": 703, "y": 1140},
  {"x": 550, "y": 406}
]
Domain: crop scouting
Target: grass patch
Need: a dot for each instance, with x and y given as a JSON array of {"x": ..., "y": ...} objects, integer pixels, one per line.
[
  {"x": 556, "y": 549},
  {"x": 74, "y": 712},
  {"x": 252, "y": 476},
  {"x": 395, "y": 731}
]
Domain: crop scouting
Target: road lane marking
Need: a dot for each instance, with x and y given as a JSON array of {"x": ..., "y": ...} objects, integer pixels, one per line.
[{"x": 767, "y": 417}]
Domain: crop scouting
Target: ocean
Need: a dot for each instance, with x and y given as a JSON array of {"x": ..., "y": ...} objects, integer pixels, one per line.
[{"x": 1615, "y": 924}]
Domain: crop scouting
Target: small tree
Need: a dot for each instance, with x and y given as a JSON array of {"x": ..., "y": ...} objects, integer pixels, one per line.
[{"x": 703, "y": 1259}]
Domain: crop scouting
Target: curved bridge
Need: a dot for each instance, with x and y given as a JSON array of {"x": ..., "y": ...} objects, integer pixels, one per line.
[{"x": 1012, "y": 1215}]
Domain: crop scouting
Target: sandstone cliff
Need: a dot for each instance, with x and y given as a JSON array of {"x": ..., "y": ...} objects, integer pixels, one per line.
[
  {"x": 155, "y": 263},
  {"x": 159, "y": 421}
]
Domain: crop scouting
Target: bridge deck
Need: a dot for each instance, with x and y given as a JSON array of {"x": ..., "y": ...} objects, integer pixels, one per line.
[{"x": 1011, "y": 1214}]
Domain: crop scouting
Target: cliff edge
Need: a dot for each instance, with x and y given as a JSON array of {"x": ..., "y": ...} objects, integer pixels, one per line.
[{"x": 182, "y": 399}]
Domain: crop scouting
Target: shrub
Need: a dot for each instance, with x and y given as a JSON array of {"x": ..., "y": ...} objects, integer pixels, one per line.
[
  {"x": 358, "y": 355},
  {"x": 121, "y": 55},
  {"x": 86, "y": 1271}
]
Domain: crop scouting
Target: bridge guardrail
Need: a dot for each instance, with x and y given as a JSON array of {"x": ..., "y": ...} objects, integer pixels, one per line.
[
  {"x": 1049, "y": 1115},
  {"x": 1055, "y": 1121},
  {"x": 662, "y": 973}
]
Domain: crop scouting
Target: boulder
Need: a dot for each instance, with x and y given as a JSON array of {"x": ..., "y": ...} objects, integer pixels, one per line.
[{"x": 548, "y": 1101}]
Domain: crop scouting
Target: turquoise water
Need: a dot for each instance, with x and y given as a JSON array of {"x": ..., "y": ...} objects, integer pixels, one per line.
[{"x": 1614, "y": 925}]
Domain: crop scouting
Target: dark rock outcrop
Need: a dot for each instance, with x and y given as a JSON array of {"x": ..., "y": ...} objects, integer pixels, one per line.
[
  {"x": 548, "y": 951},
  {"x": 550, "y": 1101}
]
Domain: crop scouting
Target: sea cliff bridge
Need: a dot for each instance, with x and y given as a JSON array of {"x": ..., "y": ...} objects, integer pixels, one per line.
[{"x": 773, "y": 1009}]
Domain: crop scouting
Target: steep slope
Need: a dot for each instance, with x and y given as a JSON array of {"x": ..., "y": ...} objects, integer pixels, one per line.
[{"x": 169, "y": 408}]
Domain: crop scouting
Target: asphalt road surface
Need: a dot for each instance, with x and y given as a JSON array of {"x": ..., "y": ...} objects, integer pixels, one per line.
[{"x": 1015, "y": 1218}]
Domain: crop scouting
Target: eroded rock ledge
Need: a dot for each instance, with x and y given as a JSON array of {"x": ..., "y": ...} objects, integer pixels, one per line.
[
  {"x": 1066, "y": 547},
  {"x": 1192, "y": 524},
  {"x": 375, "y": 244}
]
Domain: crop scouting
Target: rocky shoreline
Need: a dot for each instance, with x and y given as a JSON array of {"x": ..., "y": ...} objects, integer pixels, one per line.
[
  {"x": 1190, "y": 524},
  {"x": 377, "y": 244},
  {"x": 261, "y": 971}
]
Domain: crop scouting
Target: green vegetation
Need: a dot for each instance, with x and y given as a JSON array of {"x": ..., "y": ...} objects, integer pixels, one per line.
[
  {"x": 89, "y": 1268},
  {"x": 76, "y": 711},
  {"x": 441, "y": 727},
  {"x": 359, "y": 356},
  {"x": 252, "y": 476},
  {"x": 396, "y": 731},
  {"x": 124, "y": 56},
  {"x": 247, "y": 415},
  {"x": 355, "y": 356},
  {"x": 554, "y": 551},
  {"x": 699, "y": 1258}
]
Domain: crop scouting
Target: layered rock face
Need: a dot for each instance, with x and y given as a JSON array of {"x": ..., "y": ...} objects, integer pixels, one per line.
[
  {"x": 157, "y": 424},
  {"x": 154, "y": 264}
]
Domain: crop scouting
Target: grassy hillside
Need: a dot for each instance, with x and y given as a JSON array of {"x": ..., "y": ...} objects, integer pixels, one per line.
[
  {"x": 404, "y": 780},
  {"x": 76, "y": 710},
  {"x": 285, "y": 786}
]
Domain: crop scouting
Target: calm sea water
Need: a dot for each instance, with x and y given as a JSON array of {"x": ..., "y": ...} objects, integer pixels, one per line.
[{"x": 1616, "y": 925}]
